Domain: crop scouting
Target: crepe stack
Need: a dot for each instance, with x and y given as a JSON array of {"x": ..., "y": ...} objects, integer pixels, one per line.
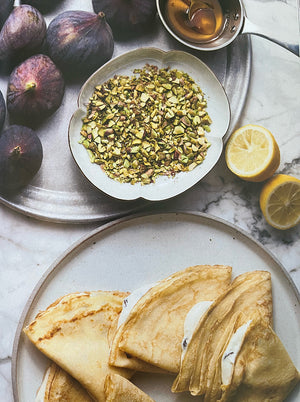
[
  {"x": 58, "y": 386},
  {"x": 244, "y": 311},
  {"x": 153, "y": 329},
  {"x": 74, "y": 332}
]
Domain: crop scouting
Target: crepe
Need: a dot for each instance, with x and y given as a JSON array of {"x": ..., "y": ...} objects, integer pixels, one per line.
[
  {"x": 120, "y": 389},
  {"x": 74, "y": 332},
  {"x": 200, "y": 364},
  {"x": 59, "y": 386},
  {"x": 153, "y": 330},
  {"x": 263, "y": 370}
]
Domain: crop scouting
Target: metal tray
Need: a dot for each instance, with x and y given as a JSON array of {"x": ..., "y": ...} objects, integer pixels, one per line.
[{"x": 59, "y": 192}]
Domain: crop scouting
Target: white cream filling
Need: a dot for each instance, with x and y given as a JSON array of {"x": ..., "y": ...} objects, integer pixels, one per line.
[
  {"x": 191, "y": 321},
  {"x": 130, "y": 301},
  {"x": 231, "y": 352},
  {"x": 40, "y": 396}
]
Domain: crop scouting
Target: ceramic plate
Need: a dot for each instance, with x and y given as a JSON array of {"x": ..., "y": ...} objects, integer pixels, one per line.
[
  {"x": 130, "y": 252},
  {"x": 164, "y": 187}
]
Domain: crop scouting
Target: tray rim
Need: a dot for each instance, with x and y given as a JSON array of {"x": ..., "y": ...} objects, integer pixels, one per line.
[
  {"x": 107, "y": 226},
  {"x": 80, "y": 217}
]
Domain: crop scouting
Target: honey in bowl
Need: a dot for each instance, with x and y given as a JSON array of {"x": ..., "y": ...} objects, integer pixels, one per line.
[{"x": 196, "y": 21}]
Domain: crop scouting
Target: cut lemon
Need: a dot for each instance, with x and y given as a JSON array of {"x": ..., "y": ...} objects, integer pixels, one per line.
[
  {"x": 252, "y": 153},
  {"x": 280, "y": 201}
]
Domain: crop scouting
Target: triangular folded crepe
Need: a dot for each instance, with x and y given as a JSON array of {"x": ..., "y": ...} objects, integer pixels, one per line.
[
  {"x": 119, "y": 389},
  {"x": 263, "y": 370},
  {"x": 74, "y": 332},
  {"x": 153, "y": 329},
  {"x": 199, "y": 370},
  {"x": 59, "y": 386}
]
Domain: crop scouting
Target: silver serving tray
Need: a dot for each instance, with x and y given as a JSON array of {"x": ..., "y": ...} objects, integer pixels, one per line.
[
  {"x": 130, "y": 252},
  {"x": 59, "y": 192}
]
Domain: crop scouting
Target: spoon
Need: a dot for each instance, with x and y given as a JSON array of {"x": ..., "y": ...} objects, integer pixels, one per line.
[
  {"x": 236, "y": 23},
  {"x": 202, "y": 17}
]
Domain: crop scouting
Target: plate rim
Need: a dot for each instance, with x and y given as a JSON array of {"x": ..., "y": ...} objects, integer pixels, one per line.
[{"x": 107, "y": 226}]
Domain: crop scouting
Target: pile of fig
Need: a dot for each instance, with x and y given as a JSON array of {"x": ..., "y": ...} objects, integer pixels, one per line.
[
  {"x": 21, "y": 155},
  {"x": 39, "y": 59},
  {"x": 79, "y": 42}
]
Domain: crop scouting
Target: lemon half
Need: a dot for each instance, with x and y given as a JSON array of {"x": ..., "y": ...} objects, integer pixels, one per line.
[
  {"x": 280, "y": 201},
  {"x": 252, "y": 153}
]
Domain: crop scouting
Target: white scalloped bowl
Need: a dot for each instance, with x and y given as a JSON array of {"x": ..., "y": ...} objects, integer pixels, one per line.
[{"x": 164, "y": 187}]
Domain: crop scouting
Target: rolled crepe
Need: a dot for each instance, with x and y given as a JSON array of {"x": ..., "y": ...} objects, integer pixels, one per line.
[
  {"x": 154, "y": 327},
  {"x": 263, "y": 370},
  {"x": 74, "y": 332},
  {"x": 120, "y": 389},
  {"x": 199, "y": 367},
  {"x": 59, "y": 386}
]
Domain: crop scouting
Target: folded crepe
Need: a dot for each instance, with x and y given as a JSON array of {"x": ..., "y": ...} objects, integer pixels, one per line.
[
  {"x": 120, "y": 389},
  {"x": 59, "y": 386},
  {"x": 152, "y": 330},
  {"x": 202, "y": 350},
  {"x": 74, "y": 332},
  {"x": 261, "y": 369}
]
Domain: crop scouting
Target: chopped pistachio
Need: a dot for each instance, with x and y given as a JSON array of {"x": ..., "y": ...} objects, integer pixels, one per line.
[{"x": 153, "y": 123}]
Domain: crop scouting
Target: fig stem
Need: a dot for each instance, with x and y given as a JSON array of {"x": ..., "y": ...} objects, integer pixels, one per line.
[
  {"x": 16, "y": 152},
  {"x": 30, "y": 86},
  {"x": 101, "y": 15}
]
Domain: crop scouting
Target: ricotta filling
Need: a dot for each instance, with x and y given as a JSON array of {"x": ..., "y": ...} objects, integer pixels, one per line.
[
  {"x": 130, "y": 301},
  {"x": 191, "y": 321},
  {"x": 231, "y": 352},
  {"x": 40, "y": 396}
]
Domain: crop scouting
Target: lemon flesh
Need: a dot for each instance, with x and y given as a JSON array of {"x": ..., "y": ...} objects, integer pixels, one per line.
[
  {"x": 252, "y": 153},
  {"x": 280, "y": 201}
]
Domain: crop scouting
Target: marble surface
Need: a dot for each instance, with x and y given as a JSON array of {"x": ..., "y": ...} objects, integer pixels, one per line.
[{"x": 28, "y": 246}]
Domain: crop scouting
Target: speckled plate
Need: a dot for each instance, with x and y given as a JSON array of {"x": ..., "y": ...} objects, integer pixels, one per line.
[
  {"x": 59, "y": 192},
  {"x": 141, "y": 249},
  {"x": 164, "y": 187}
]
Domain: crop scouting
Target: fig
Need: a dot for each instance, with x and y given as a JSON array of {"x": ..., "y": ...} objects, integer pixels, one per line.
[
  {"x": 127, "y": 17},
  {"x": 5, "y": 9},
  {"x": 44, "y": 6},
  {"x": 79, "y": 42},
  {"x": 2, "y": 110},
  {"x": 23, "y": 33},
  {"x": 35, "y": 90},
  {"x": 21, "y": 155}
]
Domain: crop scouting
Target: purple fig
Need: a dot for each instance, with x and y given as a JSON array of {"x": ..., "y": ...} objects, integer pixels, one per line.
[
  {"x": 5, "y": 9},
  {"x": 35, "y": 90},
  {"x": 44, "y": 6},
  {"x": 2, "y": 110},
  {"x": 23, "y": 33},
  {"x": 127, "y": 17},
  {"x": 79, "y": 42},
  {"x": 21, "y": 155}
]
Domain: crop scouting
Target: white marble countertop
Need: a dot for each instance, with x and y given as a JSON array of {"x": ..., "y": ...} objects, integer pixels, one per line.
[{"x": 28, "y": 246}]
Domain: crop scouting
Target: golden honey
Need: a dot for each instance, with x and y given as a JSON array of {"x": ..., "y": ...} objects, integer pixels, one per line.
[{"x": 210, "y": 18}]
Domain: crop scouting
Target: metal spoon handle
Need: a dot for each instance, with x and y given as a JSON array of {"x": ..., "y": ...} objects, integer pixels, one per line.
[{"x": 250, "y": 28}]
